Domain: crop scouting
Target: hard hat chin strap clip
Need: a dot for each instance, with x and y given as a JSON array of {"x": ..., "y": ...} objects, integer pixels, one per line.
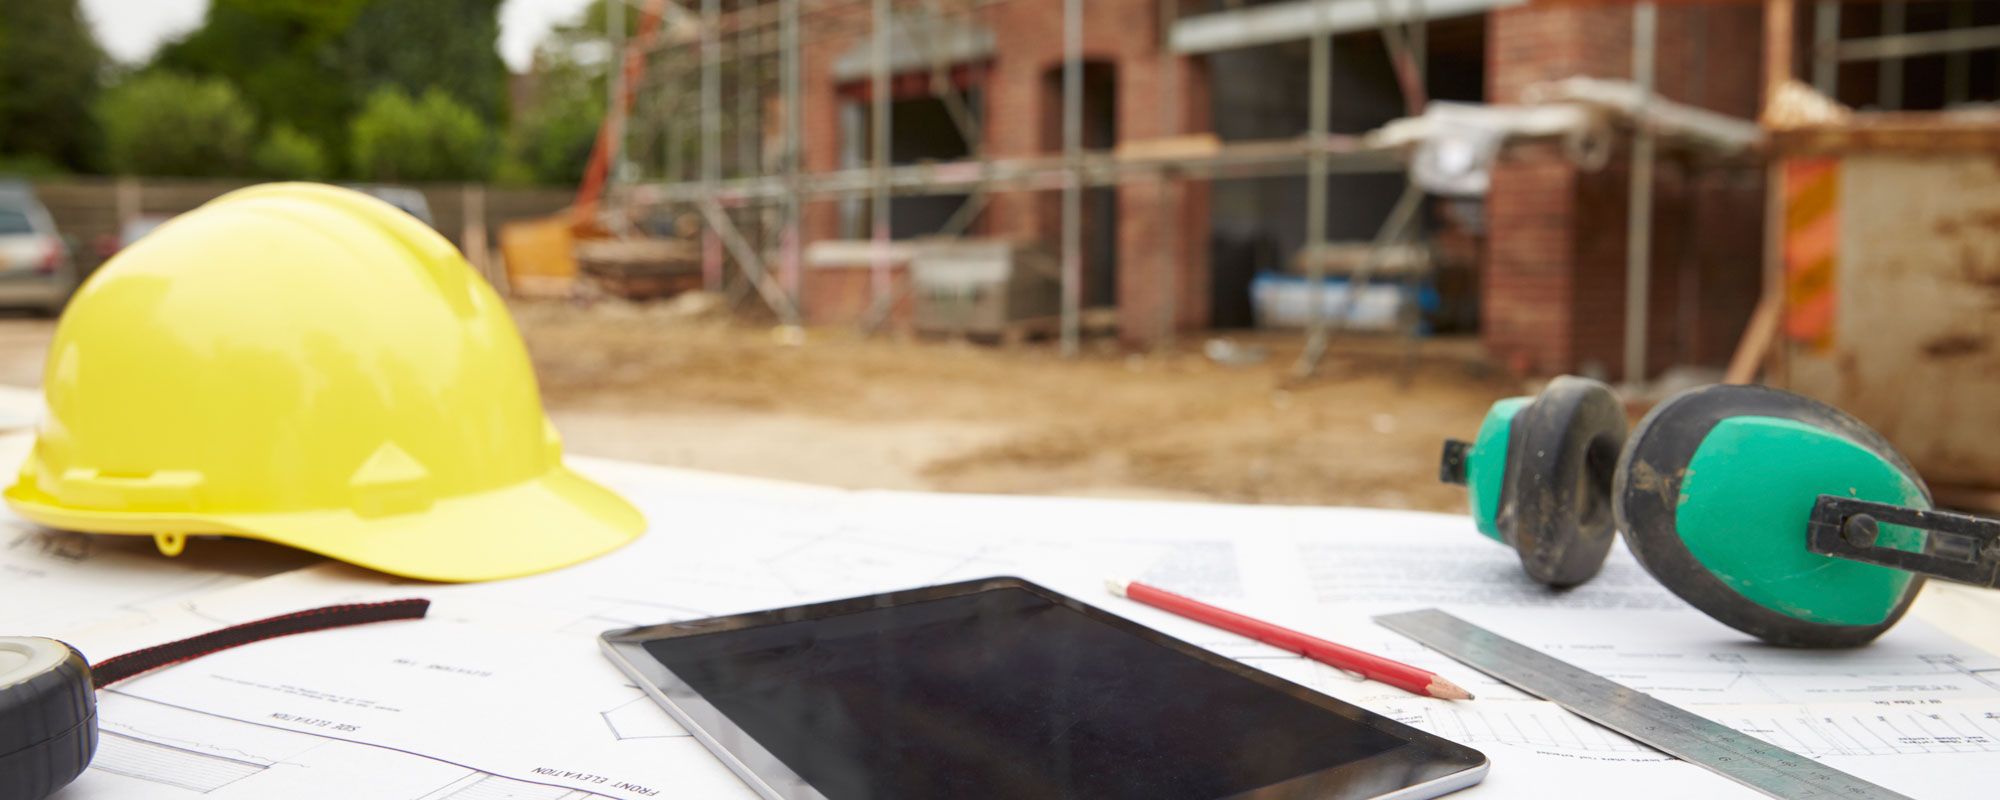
[
  {"x": 170, "y": 544},
  {"x": 1960, "y": 548}
]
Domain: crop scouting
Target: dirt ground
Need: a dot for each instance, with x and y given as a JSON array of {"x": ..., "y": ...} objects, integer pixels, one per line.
[
  {"x": 654, "y": 384},
  {"x": 663, "y": 385}
]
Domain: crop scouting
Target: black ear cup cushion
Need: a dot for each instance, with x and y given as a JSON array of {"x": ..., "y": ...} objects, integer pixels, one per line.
[
  {"x": 1555, "y": 505},
  {"x": 1648, "y": 490}
]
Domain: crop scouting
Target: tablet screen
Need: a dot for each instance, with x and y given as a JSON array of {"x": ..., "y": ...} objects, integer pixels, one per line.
[{"x": 1007, "y": 693}]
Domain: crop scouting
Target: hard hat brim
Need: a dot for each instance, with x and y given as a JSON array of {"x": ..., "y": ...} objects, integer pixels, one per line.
[{"x": 547, "y": 523}]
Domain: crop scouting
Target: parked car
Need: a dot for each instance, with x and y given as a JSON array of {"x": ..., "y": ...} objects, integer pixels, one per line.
[
  {"x": 410, "y": 200},
  {"x": 36, "y": 270},
  {"x": 108, "y": 245}
]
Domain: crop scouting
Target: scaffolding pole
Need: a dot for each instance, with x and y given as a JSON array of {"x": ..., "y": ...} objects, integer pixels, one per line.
[
  {"x": 791, "y": 244},
  {"x": 1072, "y": 197},
  {"x": 1826, "y": 38},
  {"x": 878, "y": 67},
  {"x": 1639, "y": 222},
  {"x": 1166, "y": 233},
  {"x": 1889, "y": 81},
  {"x": 1318, "y": 110},
  {"x": 711, "y": 135}
]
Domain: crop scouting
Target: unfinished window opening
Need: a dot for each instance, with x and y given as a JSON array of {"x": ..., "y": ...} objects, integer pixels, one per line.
[
  {"x": 1257, "y": 224},
  {"x": 1908, "y": 56},
  {"x": 921, "y": 129}
]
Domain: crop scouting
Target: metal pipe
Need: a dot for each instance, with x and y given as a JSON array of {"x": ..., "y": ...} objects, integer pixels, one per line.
[
  {"x": 1779, "y": 16},
  {"x": 1639, "y": 222},
  {"x": 1321, "y": 85},
  {"x": 1167, "y": 233},
  {"x": 1889, "y": 77},
  {"x": 878, "y": 66},
  {"x": 754, "y": 274},
  {"x": 1926, "y": 43},
  {"x": 746, "y": 122},
  {"x": 1265, "y": 159},
  {"x": 1826, "y": 37},
  {"x": 792, "y": 79},
  {"x": 711, "y": 135},
  {"x": 1072, "y": 197}
]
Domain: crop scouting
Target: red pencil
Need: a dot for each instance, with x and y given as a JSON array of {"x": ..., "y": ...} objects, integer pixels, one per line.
[{"x": 1373, "y": 667}]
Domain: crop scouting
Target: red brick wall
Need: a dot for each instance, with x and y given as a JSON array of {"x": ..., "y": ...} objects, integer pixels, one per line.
[
  {"x": 1123, "y": 33},
  {"x": 1555, "y": 267}
]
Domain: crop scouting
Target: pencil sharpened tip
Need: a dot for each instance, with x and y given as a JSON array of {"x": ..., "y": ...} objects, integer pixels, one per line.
[
  {"x": 1446, "y": 690},
  {"x": 1115, "y": 586}
]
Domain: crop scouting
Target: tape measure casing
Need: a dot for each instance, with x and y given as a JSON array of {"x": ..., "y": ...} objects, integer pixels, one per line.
[{"x": 48, "y": 716}]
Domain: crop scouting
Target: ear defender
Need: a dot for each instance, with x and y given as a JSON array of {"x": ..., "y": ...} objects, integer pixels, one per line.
[
  {"x": 1539, "y": 477},
  {"x": 1723, "y": 487},
  {"x": 1777, "y": 515}
]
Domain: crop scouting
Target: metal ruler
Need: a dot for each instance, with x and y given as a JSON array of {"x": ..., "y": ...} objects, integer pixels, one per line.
[{"x": 1752, "y": 762}]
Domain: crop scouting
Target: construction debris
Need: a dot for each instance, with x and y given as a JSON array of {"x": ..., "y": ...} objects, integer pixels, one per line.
[
  {"x": 641, "y": 269},
  {"x": 1796, "y": 105},
  {"x": 1675, "y": 123}
]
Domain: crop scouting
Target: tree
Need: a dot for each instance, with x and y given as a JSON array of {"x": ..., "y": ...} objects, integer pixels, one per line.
[
  {"x": 431, "y": 138},
  {"x": 312, "y": 64},
  {"x": 281, "y": 55},
  {"x": 556, "y": 128},
  {"x": 418, "y": 45},
  {"x": 552, "y": 141},
  {"x": 49, "y": 66},
  {"x": 166, "y": 124},
  {"x": 286, "y": 154}
]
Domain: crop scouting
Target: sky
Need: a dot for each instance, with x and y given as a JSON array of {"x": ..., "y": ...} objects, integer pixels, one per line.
[{"x": 130, "y": 30}]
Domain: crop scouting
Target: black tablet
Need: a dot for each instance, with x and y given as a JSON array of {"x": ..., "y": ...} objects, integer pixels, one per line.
[{"x": 999, "y": 688}]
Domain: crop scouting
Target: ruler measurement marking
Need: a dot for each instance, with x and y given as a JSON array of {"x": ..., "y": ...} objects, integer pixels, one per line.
[{"x": 1690, "y": 737}]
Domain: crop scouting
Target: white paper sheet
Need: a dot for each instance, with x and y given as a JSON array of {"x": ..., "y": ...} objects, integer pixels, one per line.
[
  {"x": 506, "y": 678},
  {"x": 63, "y": 581}
]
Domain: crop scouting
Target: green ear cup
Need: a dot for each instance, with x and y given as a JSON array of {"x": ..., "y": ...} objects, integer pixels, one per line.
[
  {"x": 1539, "y": 477},
  {"x": 1481, "y": 467},
  {"x": 1714, "y": 494}
]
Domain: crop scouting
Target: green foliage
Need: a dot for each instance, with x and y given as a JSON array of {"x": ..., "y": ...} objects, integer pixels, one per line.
[
  {"x": 313, "y": 64},
  {"x": 552, "y": 143},
  {"x": 288, "y": 155},
  {"x": 49, "y": 66},
  {"x": 174, "y": 125},
  {"x": 431, "y": 138},
  {"x": 552, "y": 138},
  {"x": 418, "y": 45},
  {"x": 281, "y": 55}
]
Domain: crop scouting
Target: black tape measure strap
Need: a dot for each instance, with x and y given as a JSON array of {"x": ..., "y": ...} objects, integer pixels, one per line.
[
  {"x": 1718, "y": 748},
  {"x": 48, "y": 693},
  {"x": 48, "y": 716}
]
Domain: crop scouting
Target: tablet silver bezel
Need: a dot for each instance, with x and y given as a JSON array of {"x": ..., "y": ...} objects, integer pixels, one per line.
[{"x": 770, "y": 778}]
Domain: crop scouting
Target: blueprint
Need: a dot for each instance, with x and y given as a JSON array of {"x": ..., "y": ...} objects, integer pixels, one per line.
[
  {"x": 502, "y": 692},
  {"x": 64, "y": 581}
]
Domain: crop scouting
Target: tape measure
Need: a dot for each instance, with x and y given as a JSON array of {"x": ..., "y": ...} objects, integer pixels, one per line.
[
  {"x": 48, "y": 692},
  {"x": 48, "y": 716},
  {"x": 1747, "y": 760}
]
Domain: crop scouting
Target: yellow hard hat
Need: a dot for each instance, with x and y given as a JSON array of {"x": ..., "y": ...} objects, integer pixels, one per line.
[{"x": 308, "y": 365}]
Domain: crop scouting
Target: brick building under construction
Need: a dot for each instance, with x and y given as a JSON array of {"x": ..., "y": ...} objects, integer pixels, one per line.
[{"x": 1190, "y": 167}]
